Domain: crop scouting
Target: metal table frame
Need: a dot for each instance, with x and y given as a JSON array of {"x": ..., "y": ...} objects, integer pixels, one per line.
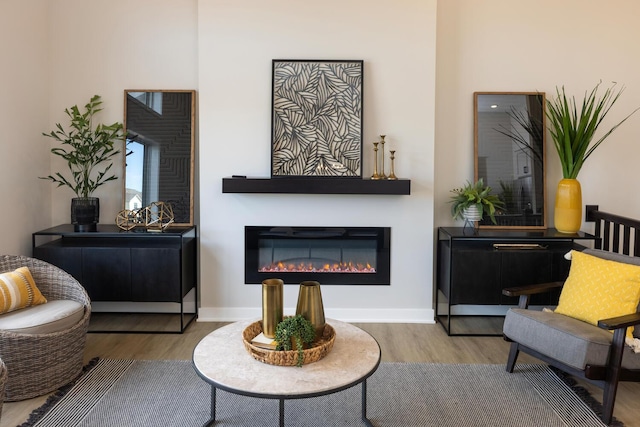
[{"x": 282, "y": 398}]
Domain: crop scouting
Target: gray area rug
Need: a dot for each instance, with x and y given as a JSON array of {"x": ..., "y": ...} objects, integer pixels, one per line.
[{"x": 169, "y": 393}]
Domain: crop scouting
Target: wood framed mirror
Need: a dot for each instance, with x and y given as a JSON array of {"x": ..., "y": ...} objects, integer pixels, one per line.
[
  {"x": 159, "y": 160},
  {"x": 509, "y": 153}
]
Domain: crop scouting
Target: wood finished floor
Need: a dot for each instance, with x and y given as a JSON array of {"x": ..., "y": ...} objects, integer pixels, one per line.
[{"x": 399, "y": 343}]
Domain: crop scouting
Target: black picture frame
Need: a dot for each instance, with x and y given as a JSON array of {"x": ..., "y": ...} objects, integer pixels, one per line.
[{"x": 316, "y": 120}]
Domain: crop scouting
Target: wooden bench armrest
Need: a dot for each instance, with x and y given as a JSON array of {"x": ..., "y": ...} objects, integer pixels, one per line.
[
  {"x": 531, "y": 289},
  {"x": 620, "y": 321}
]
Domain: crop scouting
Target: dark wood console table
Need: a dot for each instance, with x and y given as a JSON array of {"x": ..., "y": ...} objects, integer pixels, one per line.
[
  {"x": 473, "y": 266},
  {"x": 135, "y": 266}
]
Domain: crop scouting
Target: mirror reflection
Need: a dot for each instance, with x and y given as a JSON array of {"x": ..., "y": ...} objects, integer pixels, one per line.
[
  {"x": 159, "y": 150},
  {"x": 509, "y": 155}
]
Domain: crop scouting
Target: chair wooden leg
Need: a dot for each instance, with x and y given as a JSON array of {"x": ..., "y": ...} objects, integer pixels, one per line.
[
  {"x": 608, "y": 401},
  {"x": 513, "y": 355},
  {"x": 613, "y": 375}
]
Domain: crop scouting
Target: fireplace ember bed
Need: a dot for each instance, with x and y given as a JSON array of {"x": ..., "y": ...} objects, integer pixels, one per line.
[{"x": 329, "y": 255}]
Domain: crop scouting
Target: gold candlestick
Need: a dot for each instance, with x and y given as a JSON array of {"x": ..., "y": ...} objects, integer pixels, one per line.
[
  {"x": 382, "y": 175},
  {"x": 375, "y": 162},
  {"x": 392, "y": 175}
]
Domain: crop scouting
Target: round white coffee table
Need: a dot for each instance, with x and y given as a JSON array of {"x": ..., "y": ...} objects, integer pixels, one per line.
[{"x": 221, "y": 360}]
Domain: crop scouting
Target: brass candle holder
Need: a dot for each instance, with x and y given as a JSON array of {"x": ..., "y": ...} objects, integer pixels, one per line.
[
  {"x": 375, "y": 162},
  {"x": 392, "y": 176},
  {"x": 382, "y": 174}
]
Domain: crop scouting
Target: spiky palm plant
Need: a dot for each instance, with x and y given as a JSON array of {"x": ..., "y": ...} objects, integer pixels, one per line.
[{"x": 573, "y": 131}]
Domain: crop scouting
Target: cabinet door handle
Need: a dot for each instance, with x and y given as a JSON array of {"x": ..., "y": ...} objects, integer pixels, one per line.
[{"x": 518, "y": 246}]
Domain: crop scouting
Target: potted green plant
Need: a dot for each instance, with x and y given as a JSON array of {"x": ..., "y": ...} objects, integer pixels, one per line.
[
  {"x": 473, "y": 201},
  {"x": 88, "y": 149},
  {"x": 573, "y": 133},
  {"x": 295, "y": 329}
]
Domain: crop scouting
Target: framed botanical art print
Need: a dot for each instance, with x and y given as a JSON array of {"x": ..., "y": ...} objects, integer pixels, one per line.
[{"x": 316, "y": 121}]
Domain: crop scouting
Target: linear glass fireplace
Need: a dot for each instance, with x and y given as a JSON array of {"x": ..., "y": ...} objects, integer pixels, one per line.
[{"x": 329, "y": 255}]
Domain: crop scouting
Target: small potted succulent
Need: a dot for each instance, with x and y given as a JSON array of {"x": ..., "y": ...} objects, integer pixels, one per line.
[
  {"x": 88, "y": 151},
  {"x": 295, "y": 330},
  {"x": 473, "y": 201}
]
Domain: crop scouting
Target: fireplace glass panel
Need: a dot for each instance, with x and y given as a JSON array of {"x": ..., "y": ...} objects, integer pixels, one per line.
[{"x": 304, "y": 255}]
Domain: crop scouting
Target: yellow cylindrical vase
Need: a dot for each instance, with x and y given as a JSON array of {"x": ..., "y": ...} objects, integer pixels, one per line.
[
  {"x": 568, "y": 208},
  {"x": 271, "y": 306},
  {"x": 310, "y": 305}
]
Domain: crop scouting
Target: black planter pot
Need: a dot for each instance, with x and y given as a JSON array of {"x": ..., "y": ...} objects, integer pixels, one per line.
[{"x": 85, "y": 213}]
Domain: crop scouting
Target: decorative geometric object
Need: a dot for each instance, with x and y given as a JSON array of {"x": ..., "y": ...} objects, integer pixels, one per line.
[
  {"x": 127, "y": 220},
  {"x": 155, "y": 217},
  {"x": 317, "y": 118},
  {"x": 158, "y": 216}
]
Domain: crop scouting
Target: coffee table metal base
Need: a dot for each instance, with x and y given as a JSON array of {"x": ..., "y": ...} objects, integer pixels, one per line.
[{"x": 212, "y": 421}]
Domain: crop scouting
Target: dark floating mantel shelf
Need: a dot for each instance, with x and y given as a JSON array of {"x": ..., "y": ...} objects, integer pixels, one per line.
[{"x": 316, "y": 185}]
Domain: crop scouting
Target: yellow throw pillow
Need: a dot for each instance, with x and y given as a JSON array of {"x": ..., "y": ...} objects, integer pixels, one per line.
[
  {"x": 18, "y": 290},
  {"x": 599, "y": 289}
]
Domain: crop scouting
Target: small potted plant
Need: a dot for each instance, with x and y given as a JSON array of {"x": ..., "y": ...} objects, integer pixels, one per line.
[
  {"x": 473, "y": 201},
  {"x": 296, "y": 330},
  {"x": 89, "y": 153}
]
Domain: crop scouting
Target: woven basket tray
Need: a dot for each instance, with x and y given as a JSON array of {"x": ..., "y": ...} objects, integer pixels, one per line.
[{"x": 320, "y": 348}]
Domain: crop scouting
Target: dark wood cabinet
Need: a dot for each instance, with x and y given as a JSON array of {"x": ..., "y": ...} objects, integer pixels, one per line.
[
  {"x": 120, "y": 266},
  {"x": 106, "y": 271},
  {"x": 473, "y": 267}
]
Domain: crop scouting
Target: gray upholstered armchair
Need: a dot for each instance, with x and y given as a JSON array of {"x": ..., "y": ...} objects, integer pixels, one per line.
[
  {"x": 574, "y": 346},
  {"x": 43, "y": 346}
]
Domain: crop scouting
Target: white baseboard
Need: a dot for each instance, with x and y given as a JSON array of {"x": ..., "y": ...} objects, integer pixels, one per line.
[{"x": 352, "y": 315}]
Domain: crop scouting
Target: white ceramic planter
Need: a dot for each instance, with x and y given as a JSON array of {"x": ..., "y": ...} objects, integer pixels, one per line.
[{"x": 472, "y": 213}]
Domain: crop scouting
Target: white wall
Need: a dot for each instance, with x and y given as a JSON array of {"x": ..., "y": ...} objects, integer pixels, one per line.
[
  {"x": 63, "y": 52},
  {"x": 502, "y": 45},
  {"x": 24, "y": 89},
  {"x": 237, "y": 41}
]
